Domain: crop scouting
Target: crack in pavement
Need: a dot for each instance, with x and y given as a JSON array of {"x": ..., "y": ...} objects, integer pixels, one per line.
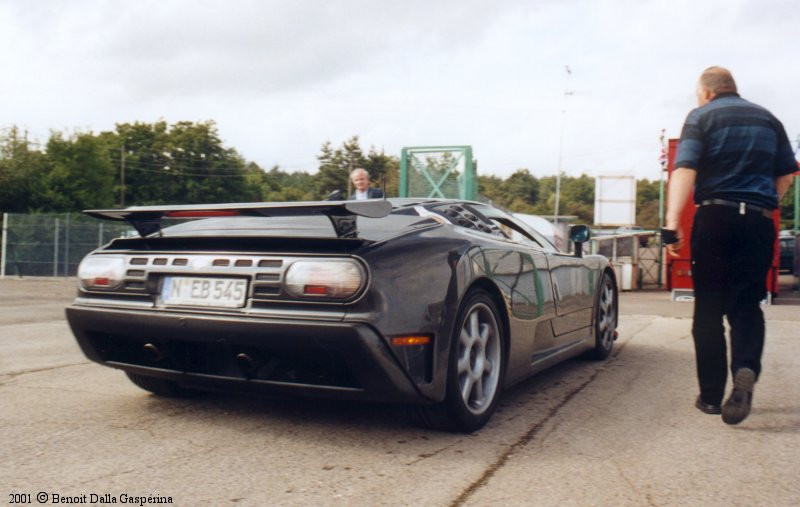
[
  {"x": 11, "y": 376},
  {"x": 145, "y": 467},
  {"x": 434, "y": 453},
  {"x": 519, "y": 444},
  {"x": 28, "y": 322},
  {"x": 632, "y": 486},
  {"x": 529, "y": 435}
]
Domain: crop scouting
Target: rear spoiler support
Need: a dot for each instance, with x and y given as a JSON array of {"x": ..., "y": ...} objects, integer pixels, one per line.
[{"x": 342, "y": 214}]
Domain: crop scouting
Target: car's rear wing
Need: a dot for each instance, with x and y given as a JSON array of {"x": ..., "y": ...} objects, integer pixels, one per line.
[{"x": 342, "y": 214}]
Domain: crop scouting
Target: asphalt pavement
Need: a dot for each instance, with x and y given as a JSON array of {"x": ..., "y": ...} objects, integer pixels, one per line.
[{"x": 621, "y": 432}]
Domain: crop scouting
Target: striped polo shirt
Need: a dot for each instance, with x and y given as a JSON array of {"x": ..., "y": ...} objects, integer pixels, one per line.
[{"x": 738, "y": 149}]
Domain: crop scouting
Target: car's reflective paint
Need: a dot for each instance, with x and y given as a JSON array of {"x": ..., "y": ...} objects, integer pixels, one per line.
[{"x": 421, "y": 262}]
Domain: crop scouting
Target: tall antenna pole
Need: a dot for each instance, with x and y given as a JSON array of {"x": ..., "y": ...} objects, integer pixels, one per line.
[
  {"x": 796, "y": 192},
  {"x": 561, "y": 142},
  {"x": 663, "y": 162}
]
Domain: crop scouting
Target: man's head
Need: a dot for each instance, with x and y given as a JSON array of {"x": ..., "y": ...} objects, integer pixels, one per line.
[
  {"x": 360, "y": 179},
  {"x": 713, "y": 81}
]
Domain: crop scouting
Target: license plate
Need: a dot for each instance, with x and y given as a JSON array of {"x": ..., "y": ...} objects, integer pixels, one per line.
[{"x": 213, "y": 292}]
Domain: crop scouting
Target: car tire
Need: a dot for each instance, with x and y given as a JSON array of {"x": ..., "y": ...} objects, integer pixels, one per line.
[
  {"x": 605, "y": 318},
  {"x": 160, "y": 386},
  {"x": 475, "y": 370}
]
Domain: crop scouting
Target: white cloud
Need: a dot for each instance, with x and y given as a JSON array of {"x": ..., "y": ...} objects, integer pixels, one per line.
[{"x": 282, "y": 77}]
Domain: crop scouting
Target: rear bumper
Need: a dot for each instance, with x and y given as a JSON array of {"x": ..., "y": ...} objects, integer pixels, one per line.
[{"x": 246, "y": 354}]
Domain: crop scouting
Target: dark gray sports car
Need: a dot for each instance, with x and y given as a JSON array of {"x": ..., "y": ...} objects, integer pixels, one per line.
[{"x": 436, "y": 304}]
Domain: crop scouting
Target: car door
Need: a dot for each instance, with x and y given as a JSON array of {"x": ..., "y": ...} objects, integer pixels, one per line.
[
  {"x": 571, "y": 280},
  {"x": 525, "y": 272},
  {"x": 574, "y": 288}
]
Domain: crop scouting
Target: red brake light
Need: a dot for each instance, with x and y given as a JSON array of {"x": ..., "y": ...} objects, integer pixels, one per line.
[
  {"x": 202, "y": 214},
  {"x": 315, "y": 290}
]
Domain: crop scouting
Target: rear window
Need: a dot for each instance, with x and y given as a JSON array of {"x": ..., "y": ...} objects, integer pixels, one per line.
[{"x": 374, "y": 229}]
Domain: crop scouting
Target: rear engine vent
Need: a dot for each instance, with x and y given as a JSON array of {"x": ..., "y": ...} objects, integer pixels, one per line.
[{"x": 266, "y": 291}]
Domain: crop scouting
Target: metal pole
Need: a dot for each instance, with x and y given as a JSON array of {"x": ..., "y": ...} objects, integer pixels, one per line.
[
  {"x": 66, "y": 244},
  {"x": 661, "y": 202},
  {"x": 797, "y": 193},
  {"x": 403, "y": 190},
  {"x": 55, "y": 250},
  {"x": 4, "y": 246},
  {"x": 470, "y": 175},
  {"x": 122, "y": 175},
  {"x": 796, "y": 204},
  {"x": 100, "y": 235}
]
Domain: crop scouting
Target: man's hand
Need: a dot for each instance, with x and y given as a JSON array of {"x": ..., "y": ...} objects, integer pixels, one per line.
[{"x": 673, "y": 240}]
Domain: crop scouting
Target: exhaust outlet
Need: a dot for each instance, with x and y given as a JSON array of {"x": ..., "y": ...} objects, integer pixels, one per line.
[
  {"x": 153, "y": 352},
  {"x": 246, "y": 364}
]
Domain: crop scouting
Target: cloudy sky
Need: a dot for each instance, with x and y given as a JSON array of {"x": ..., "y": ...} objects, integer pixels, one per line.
[{"x": 281, "y": 77}]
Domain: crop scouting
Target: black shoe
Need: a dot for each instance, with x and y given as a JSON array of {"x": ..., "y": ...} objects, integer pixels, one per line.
[
  {"x": 707, "y": 408},
  {"x": 737, "y": 408}
]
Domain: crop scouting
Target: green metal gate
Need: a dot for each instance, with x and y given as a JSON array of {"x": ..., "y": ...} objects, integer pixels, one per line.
[{"x": 447, "y": 172}]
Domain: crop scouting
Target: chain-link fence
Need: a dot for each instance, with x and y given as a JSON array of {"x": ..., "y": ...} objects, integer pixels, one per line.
[{"x": 51, "y": 244}]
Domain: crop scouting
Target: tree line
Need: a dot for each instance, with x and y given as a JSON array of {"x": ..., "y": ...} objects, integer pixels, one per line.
[{"x": 187, "y": 162}]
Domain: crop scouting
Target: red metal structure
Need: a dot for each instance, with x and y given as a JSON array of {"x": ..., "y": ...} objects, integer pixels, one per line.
[{"x": 679, "y": 269}]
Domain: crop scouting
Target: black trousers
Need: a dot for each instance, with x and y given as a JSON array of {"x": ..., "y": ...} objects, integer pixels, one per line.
[{"x": 731, "y": 254}]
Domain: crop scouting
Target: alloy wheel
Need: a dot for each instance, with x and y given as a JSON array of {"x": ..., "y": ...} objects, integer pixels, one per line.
[
  {"x": 479, "y": 356},
  {"x": 606, "y": 315}
]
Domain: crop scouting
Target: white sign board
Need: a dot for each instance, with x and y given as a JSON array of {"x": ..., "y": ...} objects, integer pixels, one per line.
[{"x": 615, "y": 200}]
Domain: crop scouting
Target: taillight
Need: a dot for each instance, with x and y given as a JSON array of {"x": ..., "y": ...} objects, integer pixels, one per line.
[
  {"x": 322, "y": 279},
  {"x": 201, "y": 214},
  {"x": 101, "y": 271}
]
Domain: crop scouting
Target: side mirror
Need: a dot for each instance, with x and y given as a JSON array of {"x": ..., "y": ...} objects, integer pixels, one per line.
[{"x": 579, "y": 234}]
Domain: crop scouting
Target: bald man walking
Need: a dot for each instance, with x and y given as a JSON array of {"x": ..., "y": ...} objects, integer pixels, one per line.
[{"x": 737, "y": 157}]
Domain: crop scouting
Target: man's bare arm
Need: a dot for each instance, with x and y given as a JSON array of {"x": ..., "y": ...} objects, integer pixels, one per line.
[{"x": 680, "y": 186}]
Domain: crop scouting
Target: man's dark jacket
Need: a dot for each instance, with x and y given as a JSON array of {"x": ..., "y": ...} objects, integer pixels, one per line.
[{"x": 372, "y": 193}]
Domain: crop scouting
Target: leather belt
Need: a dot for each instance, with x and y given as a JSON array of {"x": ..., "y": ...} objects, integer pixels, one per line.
[{"x": 743, "y": 206}]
